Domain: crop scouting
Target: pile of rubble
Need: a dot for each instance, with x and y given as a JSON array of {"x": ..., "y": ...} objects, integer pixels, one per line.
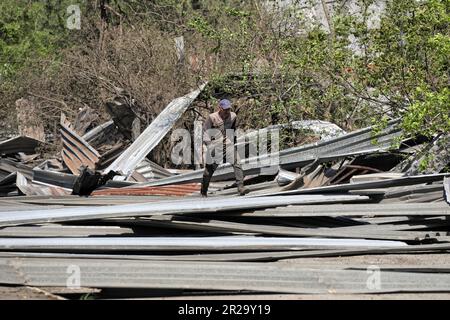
[{"x": 347, "y": 216}]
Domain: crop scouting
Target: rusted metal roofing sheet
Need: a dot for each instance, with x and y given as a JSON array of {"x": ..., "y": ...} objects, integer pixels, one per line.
[
  {"x": 76, "y": 151},
  {"x": 171, "y": 190}
]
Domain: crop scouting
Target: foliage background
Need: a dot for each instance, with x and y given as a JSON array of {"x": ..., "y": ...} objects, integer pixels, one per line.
[{"x": 277, "y": 65}]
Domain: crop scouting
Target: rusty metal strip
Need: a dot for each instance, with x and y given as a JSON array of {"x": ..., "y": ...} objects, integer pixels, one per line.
[{"x": 170, "y": 190}]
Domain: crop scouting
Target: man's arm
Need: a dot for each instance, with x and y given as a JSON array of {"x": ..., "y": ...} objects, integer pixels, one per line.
[{"x": 235, "y": 126}]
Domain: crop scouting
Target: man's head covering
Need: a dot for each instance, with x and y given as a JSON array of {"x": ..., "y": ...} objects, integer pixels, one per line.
[{"x": 225, "y": 104}]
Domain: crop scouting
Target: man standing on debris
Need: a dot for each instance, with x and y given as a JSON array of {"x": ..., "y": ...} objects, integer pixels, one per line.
[{"x": 215, "y": 130}]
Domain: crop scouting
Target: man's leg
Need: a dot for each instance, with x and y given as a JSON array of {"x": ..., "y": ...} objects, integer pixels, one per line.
[
  {"x": 238, "y": 172},
  {"x": 207, "y": 175},
  {"x": 211, "y": 164}
]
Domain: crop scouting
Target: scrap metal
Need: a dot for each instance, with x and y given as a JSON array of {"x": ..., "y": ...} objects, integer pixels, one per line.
[
  {"x": 76, "y": 151},
  {"x": 107, "y": 273},
  {"x": 175, "y": 190},
  {"x": 187, "y": 243},
  {"x": 355, "y": 143},
  {"x": 165, "y": 207},
  {"x": 19, "y": 144},
  {"x": 154, "y": 133},
  {"x": 30, "y": 189},
  {"x": 447, "y": 189},
  {"x": 366, "y": 185}
]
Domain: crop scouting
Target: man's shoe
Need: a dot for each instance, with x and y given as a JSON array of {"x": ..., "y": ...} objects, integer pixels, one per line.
[
  {"x": 242, "y": 190},
  {"x": 204, "y": 195}
]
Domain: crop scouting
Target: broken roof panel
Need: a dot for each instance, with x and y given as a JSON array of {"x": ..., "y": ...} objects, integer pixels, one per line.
[
  {"x": 76, "y": 151},
  {"x": 19, "y": 144},
  {"x": 8, "y": 166},
  {"x": 8, "y": 184},
  {"x": 31, "y": 189},
  {"x": 53, "y": 179},
  {"x": 154, "y": 133},
  {"x": 152, "y": 171}
]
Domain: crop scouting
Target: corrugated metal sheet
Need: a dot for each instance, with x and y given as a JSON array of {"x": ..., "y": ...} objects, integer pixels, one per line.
[
  {"x": 187, "y": 244},
  {"x": 76, "y": 151},
  {"x": 326, "y": 130},
  {"x": 52, "y": 231},
  {"x": 92, "y": 134},
  {"x": 382, "y": 232},
  {"x": 8, "y": 166},
  {"x": 410, "y": 180},
  {"x": 152, "y": 171},
  {"x": 154, "y": 133},
  {"x": 366, "y": 209},
  {"x": 355, "y": 143},
  {"x": 77, "y": 201},
  {"x": 239, "y": 256},
  {"x": 31, "y": 189},
  {"x": 109, "y": 156},
  {"x": 8, "y": 184},
  {"x": 51, "y": 178},
  {"x": 8, "y": 176},
  {"x": 19, "y": 144},
  {"x": 106, "y": 273},
  {"x": 193, "y": 205},
  {"x": 171, "y": 190}
]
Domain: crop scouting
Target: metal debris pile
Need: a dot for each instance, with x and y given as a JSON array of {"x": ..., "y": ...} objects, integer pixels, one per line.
[{"x": 347, "y": 216}]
